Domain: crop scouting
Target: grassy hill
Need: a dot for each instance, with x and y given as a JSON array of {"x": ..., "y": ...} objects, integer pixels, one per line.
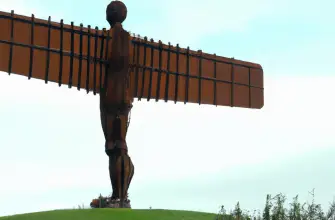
[{"x": 113, "y": 214}]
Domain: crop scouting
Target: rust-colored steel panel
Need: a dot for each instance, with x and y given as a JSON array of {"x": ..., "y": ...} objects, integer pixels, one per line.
[
  {"x": 82, "y": 76},
  {"x": 194, "y": 76},
  {"x": 161, "y": 72}
]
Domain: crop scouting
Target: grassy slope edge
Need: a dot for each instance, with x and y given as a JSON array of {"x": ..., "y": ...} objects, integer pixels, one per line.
[{"x": 111, "y": 214}]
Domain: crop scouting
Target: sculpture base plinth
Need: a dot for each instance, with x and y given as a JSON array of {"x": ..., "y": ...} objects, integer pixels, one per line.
[
  {"x": 108, "y": 202},
  {"x": 116, "y": 204}
]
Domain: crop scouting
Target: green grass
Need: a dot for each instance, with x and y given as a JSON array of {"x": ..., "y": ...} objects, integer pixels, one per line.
[{"x": 113, "y": 214}]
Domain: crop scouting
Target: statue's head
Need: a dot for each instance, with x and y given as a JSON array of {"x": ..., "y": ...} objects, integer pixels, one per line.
[{"x": 116, "y": 12}]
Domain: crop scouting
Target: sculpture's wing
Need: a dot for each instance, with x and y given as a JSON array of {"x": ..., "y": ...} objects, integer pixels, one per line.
[
  {"x": 76, "y": 56},
  {"x": 57, "y": 52},
  {"x": 163, "y": 72}
]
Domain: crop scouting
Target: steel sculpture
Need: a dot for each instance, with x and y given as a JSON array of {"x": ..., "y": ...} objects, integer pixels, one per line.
[{"x": 119, "y": 68}]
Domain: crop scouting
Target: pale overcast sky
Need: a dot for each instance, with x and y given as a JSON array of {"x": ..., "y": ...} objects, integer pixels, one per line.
[{"x": 52, "y": 145}]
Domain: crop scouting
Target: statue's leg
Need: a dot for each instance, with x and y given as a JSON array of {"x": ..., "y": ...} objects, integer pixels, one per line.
[
  {"x": 121, "y": 168},
  {"x": 121, "y": 171}
]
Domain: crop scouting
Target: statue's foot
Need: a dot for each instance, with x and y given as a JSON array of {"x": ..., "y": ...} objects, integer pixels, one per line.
[{"x": 115, "y": 203}]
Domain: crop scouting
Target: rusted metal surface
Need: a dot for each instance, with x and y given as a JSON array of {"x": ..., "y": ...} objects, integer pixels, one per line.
[
  {"x": 54, "y": 45},
  {"x": 81, "y": 53},
  {"x": 119, "y": 68},
  {"x": 116, "y": 103},
  {"x": 116, "y": 12},
  {"x": 184, "y": 75}
]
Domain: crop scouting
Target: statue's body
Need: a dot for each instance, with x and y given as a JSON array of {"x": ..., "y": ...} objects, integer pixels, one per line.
[
  {"x": 115, "y": 105},
  {"x": 161, "y": 72}
]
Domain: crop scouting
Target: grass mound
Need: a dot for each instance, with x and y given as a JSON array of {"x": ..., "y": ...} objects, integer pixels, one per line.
[{"x": 113, "y": 214}]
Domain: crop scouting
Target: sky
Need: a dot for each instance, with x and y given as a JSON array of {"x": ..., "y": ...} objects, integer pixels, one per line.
[{"x": 52, "y": 145}]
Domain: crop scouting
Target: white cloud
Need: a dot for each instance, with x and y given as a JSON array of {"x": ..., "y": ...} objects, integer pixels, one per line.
[
  {"x": 184, "y": 22},
  {"x": 296, "y": 118},
  {"x": 187, "y": 21},
  {"x": 51, "y": 140},
  {"x": 21, "y": 7}
]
